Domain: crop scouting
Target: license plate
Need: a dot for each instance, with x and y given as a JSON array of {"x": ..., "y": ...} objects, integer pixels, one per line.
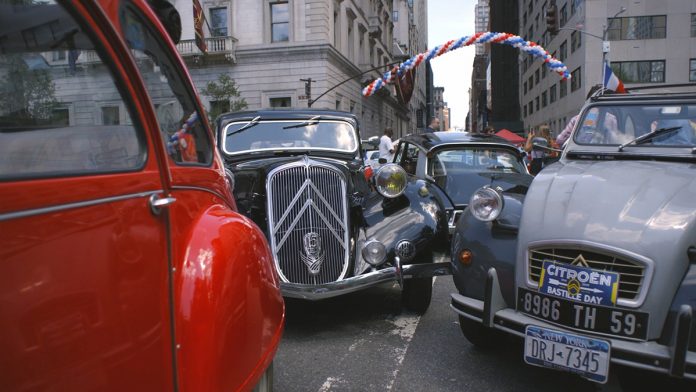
[
  {"x": 596, "y": 319},
  {"x": 581, "y": 355}
]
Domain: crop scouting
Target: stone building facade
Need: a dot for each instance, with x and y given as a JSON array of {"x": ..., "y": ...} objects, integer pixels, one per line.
[{"x": 268, "y": 46}]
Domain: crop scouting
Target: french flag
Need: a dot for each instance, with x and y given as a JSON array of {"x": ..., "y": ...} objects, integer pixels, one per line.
[{"x": 611, "y": 81}]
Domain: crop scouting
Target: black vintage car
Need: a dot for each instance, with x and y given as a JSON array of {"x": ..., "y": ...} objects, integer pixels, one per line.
[
  {"x": 299, "y": 174},
  {"x": 457, "y": 164}
]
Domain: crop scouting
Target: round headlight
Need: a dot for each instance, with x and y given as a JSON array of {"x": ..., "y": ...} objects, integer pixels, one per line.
[
  {"x": 391, "y": 180},
  {"x": 374, "y": 252},
  {"x": 486, "y": 204}
]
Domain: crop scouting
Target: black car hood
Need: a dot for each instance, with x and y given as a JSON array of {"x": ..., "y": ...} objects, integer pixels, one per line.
[{"x": 460, "y": 187}]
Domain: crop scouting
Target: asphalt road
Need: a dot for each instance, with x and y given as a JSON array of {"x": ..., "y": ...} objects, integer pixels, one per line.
[{"x": 366, "y": 342}]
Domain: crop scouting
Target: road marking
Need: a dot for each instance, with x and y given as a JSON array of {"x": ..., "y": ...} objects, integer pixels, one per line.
[
  {"x": 405, "y": 327},
  {"x": 329, "y": 383}
]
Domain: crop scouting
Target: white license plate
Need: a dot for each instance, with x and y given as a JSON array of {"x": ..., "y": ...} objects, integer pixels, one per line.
[{"x": 587, "y": 357}]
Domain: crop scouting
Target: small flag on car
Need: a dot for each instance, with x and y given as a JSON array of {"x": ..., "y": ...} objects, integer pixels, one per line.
[{"x": 611, "y": 81}]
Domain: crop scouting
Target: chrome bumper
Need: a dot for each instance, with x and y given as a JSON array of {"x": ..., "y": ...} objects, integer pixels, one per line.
[
  {"x": 674, "y": 359},
  {"x": 349, "y": 285}
]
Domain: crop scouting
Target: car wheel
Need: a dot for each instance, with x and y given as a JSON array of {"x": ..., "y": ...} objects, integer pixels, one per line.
[
  {"x": 417, "y": 293},
  {"x": 266, "y": 382},
  {"x": 478, "y": 335}
]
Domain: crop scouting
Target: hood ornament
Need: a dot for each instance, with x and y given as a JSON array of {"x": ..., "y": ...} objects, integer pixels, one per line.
[
  {"x": 313, "y": 255},
  {"x": 580, "y": 262}
]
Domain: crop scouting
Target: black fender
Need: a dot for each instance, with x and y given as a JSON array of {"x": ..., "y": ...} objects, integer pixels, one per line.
[
  {"x": 492, "y": 244},
  {"x": 686, "y": 295},
  {"x": 416, "y": 216}
]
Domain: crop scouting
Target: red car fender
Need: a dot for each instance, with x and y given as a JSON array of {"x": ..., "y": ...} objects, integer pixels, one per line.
[{"x": 229, "y": 313}]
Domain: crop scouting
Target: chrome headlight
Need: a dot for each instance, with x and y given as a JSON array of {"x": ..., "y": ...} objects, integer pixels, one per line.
[
  {"x": 486, "y": 204},
  {"x": 391, "y": 180},
  {"x": 374, "y": 252}
]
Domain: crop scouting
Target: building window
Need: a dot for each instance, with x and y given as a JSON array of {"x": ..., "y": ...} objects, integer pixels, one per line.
[
  {"x": 575, "y": 41},
  {"x": 60, "y": 116},
  {"x": 651, "y": 71},
  {"x": 552, "y": 94},
  {"x": 531, "y": 107},
  {"x": 573, "y": 7},
  {"x": 563, "y": 51},
  {"x": 58, "y": 55},
  {"x": 536, "y": 103},
  {"x": 576, "y": 79},
  {"x": 563, "y": 15},
  {"x": 530, "y": 82},
  {"x": 536, "y": 77},
  {"x": 544, "y": 71},
  {"x": 395, "y": 16},
  {"x": 544, "y": 101},
  {"x": 280, "y": 22},
  {"x": 524, "y": 112},
  {"x": 562, "y": 88},
  {"x": 280, "y": 102},
  {"x": 525, "y": 88},
  {"x": 692, "y": 70},
  {"x": 693, "y": 25},
  {"x": 110, "y": 115},
  {"x": 639, "y": 27},
  {"x": 218, "y": 22}
]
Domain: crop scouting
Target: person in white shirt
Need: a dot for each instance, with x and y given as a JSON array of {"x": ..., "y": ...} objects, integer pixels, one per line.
[{"x": 386, "y": 148}]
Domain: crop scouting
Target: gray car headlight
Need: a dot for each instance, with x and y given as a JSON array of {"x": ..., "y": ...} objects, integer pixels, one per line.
[
  {"x": 486, "y": 204},
  {"x": 391, "y": 180},
  {"x": 374, "y": 252}
]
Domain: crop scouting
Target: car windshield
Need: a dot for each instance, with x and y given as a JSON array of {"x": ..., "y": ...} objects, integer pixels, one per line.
[
  {"x": 620, "y": 124},
  {"x": 290, "y": 135},
  {"x": 474, "y": 159}
]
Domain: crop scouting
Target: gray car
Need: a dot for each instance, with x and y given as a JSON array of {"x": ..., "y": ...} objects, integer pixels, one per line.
[{"x": 604, "y": 263}]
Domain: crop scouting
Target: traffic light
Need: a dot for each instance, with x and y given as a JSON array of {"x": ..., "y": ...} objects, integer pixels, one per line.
[{"x": 552, "y": 18}]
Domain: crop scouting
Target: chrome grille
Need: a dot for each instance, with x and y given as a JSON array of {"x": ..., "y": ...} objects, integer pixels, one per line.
[
  {"x": 308, "y": 222},
  {"x": 631, "y": 274}
]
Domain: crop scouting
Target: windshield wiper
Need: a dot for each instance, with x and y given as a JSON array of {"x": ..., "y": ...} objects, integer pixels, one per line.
[
  {"x": 649, "y": 136},
  {"x": 312, "y": 121},
  {"x": 254, "y": 121}
]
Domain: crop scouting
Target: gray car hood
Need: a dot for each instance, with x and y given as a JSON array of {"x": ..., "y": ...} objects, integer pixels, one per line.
[{"x": 635, "y": 207}]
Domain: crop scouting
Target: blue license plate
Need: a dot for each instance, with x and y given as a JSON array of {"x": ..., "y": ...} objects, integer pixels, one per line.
[{"x": 584, "y": 356}]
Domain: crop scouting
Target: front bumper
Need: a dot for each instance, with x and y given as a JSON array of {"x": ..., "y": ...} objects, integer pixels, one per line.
[
  {"x": 673, "y": 359},
  {"x": 397, "y": 273}
]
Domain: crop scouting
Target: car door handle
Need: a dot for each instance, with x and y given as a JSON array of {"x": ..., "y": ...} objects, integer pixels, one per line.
[{"x": 157, "y": 203}]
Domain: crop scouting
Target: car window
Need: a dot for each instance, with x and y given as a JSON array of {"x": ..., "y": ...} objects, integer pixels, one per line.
[
  {"x": 186, "y": 138},
  {"x": 374, "y": 155},
  {"x": 619, "y": 124},
  {"x": 61, "y": 111},
  {"x": 409, "y": 158},
  {"x": 245, "y": 136},
  {"x": 478, "y": 159}
]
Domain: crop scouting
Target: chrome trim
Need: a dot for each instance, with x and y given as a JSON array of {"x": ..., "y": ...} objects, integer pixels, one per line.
[
  {"x": 79, "y": 204},
  {"x": 335, "y": 213},
  {"x": 349, "y": 285},
  {"x": 452, "y": 222},
  {"x": 298, "y": 121},
  {"x": 580, "y": 245}
]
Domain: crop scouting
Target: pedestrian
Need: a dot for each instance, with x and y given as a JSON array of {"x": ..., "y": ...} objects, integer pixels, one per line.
[
  {"x": 434, "y": 125},
  {"x": 540, "y": 157},
  {"x": 489, "y": 130},
  {"x": 386, "y": 148}
]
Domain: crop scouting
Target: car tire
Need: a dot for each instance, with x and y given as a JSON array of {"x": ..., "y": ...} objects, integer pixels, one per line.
[
  {"x": 265, "y": 383},
  {"x": 417, "y": 293},
  {"x": 478, "y": 335}
]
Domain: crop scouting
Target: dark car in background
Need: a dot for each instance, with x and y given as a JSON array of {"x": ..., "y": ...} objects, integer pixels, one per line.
[
  {"x": 605, "y": 265},
  {"x": 300, "y": 175},
  {"x": 457, "y": 164}
]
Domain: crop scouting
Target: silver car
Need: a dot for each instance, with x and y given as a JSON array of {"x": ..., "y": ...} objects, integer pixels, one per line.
[{"x": 596, "y": 265}]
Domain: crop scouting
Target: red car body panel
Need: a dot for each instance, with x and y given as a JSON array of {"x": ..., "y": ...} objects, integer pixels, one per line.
[{"x": 99, "y": 293}]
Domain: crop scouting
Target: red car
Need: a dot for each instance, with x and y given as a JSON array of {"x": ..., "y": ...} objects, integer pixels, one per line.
[{"x": 124, "y": 264}]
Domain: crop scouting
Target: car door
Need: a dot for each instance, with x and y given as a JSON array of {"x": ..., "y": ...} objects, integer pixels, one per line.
[{"x": 84, "y": 301}]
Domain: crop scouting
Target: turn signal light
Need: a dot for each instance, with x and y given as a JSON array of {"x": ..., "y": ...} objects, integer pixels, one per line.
[{"x": 465, "y": 257}]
